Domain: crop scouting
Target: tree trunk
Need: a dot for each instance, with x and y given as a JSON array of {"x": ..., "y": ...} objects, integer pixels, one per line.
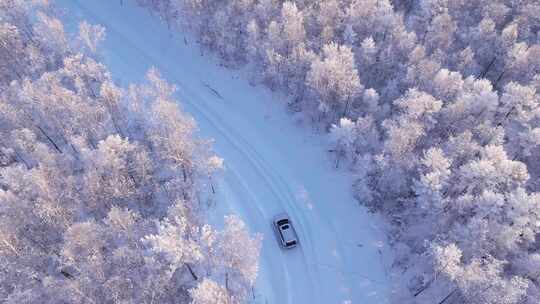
[
  {"x": 498, "y": 79},
  {"x": 448, "y": 296},
  {"x": 423, "y": 288},
  {"x": 184, "y": 172},
  {"x": 346, "y": 108},
  {"x": 484, "y": 73},
  {"x": 18, "y": 156},
  {"x": 506, "y": 116},
  {"x": 192, "y": 272},
  {"x": 49, "y": 139}
]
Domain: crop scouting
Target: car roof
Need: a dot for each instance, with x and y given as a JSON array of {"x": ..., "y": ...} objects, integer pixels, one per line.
[{"x": 288, "y": 234}]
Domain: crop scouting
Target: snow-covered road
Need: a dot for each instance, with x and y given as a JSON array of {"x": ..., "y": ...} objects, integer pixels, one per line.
[{"x": 272, "y": 164}]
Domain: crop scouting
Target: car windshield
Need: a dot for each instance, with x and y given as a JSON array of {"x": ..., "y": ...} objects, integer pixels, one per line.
[
  {"x": 291, "y": 243},
  {"x": 282, "y": 222}
]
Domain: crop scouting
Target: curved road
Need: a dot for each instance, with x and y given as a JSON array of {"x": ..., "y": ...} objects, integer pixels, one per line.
[{"x": 272, "y": 164}]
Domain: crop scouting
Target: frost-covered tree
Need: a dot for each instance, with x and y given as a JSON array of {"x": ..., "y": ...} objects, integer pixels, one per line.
[
  {"x": 344, "y": 135},
  {"x": 239, "y": 267},
  {"x": 102, "y": 189},
  {"x": 209, "y": 292},
  {"x": 334, "y": 78}
]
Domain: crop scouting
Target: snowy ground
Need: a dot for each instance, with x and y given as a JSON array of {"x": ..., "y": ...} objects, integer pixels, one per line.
[{"x": 272, "y": 164}]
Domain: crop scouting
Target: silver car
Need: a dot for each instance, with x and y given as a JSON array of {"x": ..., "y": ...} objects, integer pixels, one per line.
[{"x": 285, "y": 231}]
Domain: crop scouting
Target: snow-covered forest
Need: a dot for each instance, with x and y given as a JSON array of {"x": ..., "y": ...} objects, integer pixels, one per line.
[
  {"x": 103, "y": 189},
  {"x": 434, "y": 107}
]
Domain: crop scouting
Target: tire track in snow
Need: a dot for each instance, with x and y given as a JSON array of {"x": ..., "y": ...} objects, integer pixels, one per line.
[{"x": 256, "y": 163}]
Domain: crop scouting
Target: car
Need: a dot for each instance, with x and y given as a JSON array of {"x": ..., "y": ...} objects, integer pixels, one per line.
[{"x": 285, "y": 231}]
